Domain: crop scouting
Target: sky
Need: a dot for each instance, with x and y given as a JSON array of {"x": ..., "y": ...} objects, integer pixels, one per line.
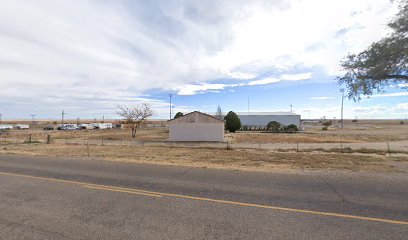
[{"x": 89, "y": 57}]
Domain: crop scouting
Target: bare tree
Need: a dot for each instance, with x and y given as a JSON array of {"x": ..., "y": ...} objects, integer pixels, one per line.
[
  {"x": 218, "y": 114},
  {"x": 134, "y": 116}
]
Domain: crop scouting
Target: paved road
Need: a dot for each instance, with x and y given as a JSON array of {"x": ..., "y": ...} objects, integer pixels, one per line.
[{"x": 46, "y": 198}]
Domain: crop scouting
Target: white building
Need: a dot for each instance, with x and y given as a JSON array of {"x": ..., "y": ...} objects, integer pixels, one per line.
[
  {"x": 196, "y": 126},
  {"x": 261, "y": 119}
]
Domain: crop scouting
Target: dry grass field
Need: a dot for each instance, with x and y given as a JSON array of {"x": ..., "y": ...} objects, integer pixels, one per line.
[{"x": 249, "y": 151}]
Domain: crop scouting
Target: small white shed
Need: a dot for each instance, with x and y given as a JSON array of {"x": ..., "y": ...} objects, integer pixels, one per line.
[{"x": 196, "y": 127}]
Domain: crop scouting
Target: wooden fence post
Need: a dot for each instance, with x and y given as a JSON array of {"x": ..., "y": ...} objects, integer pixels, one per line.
[
  {"x": 87, "y": 148},
  {"x": 388, "y": 148}
]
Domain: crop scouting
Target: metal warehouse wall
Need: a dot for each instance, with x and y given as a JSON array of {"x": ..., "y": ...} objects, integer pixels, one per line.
[
  {"x": 263, "y": 120},
  {"x": 212, "y": 132}
]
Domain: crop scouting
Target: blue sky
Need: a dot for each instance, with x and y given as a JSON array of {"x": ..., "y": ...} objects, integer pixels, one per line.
[{"x": 88, "y": 57}]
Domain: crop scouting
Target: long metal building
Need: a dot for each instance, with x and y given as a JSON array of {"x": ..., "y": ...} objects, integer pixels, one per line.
[{"x": 261, "y": 119}]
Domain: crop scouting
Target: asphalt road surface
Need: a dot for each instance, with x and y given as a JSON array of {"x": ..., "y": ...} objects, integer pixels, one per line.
[{"x": 49, "y": 198}]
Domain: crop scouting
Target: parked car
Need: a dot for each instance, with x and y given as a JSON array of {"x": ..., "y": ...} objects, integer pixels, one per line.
[{"x": 47, "y": 128}]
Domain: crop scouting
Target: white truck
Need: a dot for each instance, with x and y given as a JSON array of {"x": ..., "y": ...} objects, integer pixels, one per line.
[
  {"x": 67, "y": 127},
  {"x": 102, "y": 125},
  {"x": 105, "y": 125},
  {"x": 85, "y": 126},
  {"x": 6, "y": 126},
  {"x": 22, "y": 126}
]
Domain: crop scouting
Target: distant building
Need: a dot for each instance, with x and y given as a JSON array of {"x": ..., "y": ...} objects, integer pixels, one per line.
[
  {"x": 196, "y": 126},
  {"x": 261, "y": 119}
]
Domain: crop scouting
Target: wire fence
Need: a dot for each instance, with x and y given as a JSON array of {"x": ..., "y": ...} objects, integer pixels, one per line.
[{"x": 400, "y": 147}]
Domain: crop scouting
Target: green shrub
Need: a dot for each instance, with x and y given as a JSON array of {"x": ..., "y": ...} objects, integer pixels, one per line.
[
  {"x": 179, "y": 114},
  {"x": 232, "y": 122},
  {"x": 324, "y": 128},
  {"x": 327, "y": 123},
  {"x": 292, "y": 128},
  {"x": 273, "y": 126},
  {"x": 402, "y": 122}
]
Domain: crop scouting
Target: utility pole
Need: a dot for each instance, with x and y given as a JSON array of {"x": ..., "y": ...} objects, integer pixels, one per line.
[
  {"x": 62, "y": 116},
  {"x": 342, "y": 100},
  {"x": 33, "y": 117},
  {"x": 103, "y": 118},
  {"x": 170, "y": 95},
  {"x": 291, "y": 108}
]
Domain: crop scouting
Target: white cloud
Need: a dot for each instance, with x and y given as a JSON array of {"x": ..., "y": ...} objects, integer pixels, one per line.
[
  {"x": 60, "y": 54},
  {"x": 397, "y": 94},
  {"x": 321, "y": 98},
  {"x": 240, "y": 75},
  {"x": 379, "y": 111},
  {"x": 264, "y": 81},
  {"x": 297, "y": 77},
  {"x": 193, "y": 89},
  {"x": 401, "y": 107}
]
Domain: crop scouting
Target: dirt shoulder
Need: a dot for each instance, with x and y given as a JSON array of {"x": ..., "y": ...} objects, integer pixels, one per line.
[{"x": 258, "y": 160}]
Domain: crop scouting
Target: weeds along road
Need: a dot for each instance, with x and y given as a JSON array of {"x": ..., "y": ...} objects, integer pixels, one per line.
[{"x": 55, "y": 198}]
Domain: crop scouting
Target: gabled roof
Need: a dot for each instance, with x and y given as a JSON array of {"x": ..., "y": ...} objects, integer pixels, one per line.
[{"x": 195, "y": 112}]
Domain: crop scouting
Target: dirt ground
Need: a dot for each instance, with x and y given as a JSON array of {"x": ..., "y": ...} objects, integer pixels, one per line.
[
  {"x": 249, "y": 151},
  {"x": 236, "y": 159}
]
